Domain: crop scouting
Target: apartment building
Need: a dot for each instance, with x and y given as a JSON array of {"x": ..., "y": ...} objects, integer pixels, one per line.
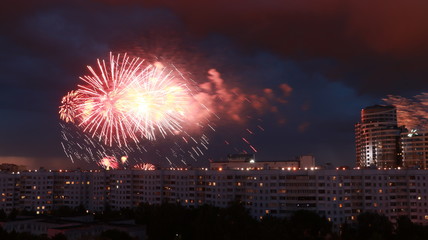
[{"x": 339, "y": 195}]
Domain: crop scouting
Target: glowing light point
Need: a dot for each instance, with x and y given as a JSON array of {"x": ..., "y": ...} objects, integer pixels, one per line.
[{"x": 123, "y": 159}]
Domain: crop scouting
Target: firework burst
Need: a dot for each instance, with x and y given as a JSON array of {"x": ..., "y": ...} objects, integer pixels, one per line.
[
  {"x": 145, "y": 166},
  {"x": 67, "y": 110},
  {"x": 125, "y": 98},
  {"x": 109, "y": 162}
]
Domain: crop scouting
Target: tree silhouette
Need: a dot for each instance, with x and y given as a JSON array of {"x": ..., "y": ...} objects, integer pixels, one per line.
[{"x": 373, "y": 226}]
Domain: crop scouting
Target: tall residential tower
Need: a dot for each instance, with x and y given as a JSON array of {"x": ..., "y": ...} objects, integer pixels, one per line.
[
  {"x": 378, "y": 137},
  {"x": 414, "y": 148}
]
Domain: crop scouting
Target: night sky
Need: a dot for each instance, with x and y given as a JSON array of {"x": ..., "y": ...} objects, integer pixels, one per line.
[{"x": 335, "y": 57}]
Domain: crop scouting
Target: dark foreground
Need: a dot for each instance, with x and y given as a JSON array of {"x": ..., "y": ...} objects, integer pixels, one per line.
[{"x": 175, "y": 222}]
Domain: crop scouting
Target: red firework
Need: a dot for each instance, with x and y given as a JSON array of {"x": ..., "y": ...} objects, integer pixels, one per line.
[
  {"x": 145, "y": 166},
  {"x": 128, "y": 99},
  {"x": 109, "y": 162}
]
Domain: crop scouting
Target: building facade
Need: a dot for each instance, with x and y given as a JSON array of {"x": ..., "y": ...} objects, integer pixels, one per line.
[
  {"x": 377, "y": 138},
  {"x": 248, "y": 162},
  {"x": 339, "y": 195},
  {"x": 414, "y": 149}
]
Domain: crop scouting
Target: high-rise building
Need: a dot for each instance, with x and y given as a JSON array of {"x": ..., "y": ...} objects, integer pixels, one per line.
[
  {"x": 377, "y": 137},
  {"x": 414, "y": 149}
]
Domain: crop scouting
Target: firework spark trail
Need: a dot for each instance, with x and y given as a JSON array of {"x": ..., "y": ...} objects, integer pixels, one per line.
[
  {"x": 253, "y": 148},
  {"x": 83, "y": 147},
  {"x": 411, "y": 112},
  {"x": 249, "y": 131},
  {"x": 79, "y": 145}
]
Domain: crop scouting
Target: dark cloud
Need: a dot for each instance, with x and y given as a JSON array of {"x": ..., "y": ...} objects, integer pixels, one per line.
[
  {"x": 376, "y": 45},
  {"x": 335, "y": 57}
]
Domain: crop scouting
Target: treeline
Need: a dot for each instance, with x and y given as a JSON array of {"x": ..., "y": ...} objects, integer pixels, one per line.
[
  {"x": 235, "y": 223},
  {"x": 175, "y": 222},
  {"x": 231, "y": 223}
]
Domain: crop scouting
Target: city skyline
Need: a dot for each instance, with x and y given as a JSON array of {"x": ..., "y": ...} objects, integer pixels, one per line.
[
  {"x": 339, "y": 195},
  {"x": 324, "y": 62}
]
